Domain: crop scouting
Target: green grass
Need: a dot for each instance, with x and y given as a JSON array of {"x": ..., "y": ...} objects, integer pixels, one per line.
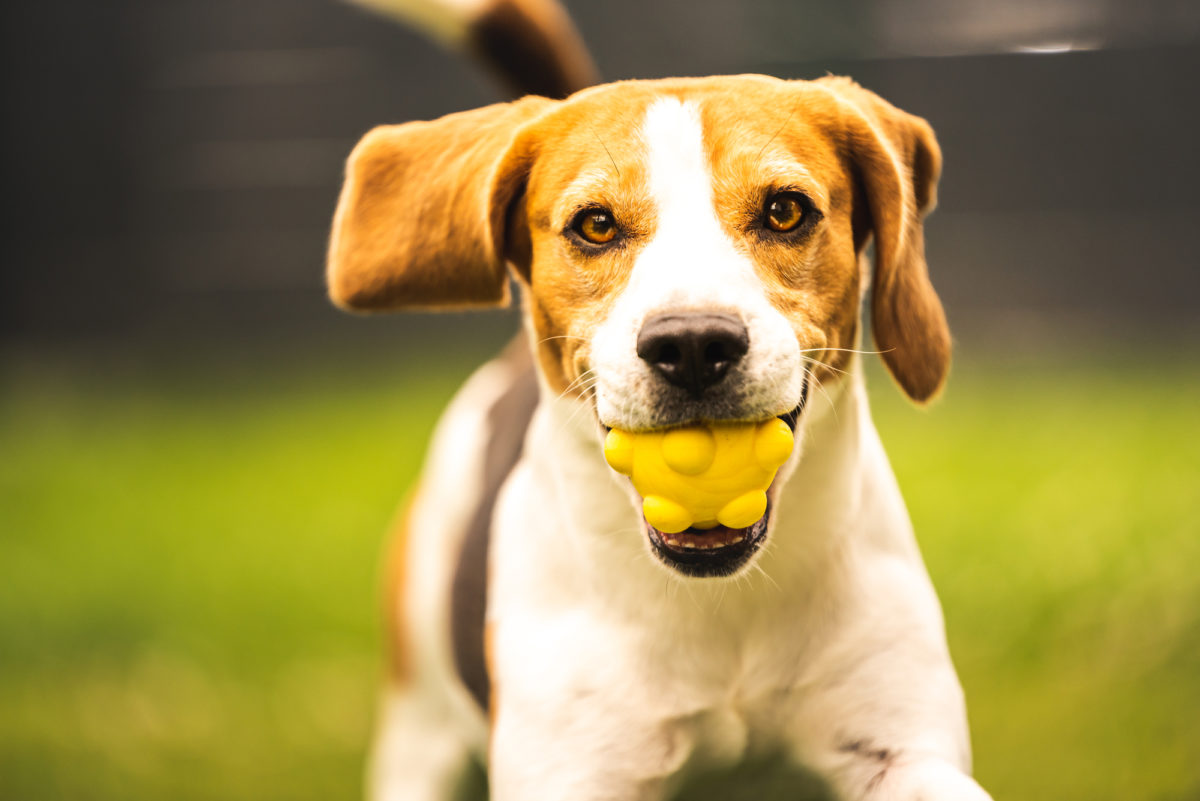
[
  {"x": 188, "y": 557},
  {"x": 1058, "y": 511}
]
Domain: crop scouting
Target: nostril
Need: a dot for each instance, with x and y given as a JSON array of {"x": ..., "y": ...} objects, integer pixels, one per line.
[
  {"x": 669, "y": 354},
  {"x": 716, "y": 352}
]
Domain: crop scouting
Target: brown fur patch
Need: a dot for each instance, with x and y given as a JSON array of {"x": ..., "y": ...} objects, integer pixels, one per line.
[
  {"x": 898, "y": 162},
  {"x": 582, "y": 156},
  {"x": 395, "y": 566},
  {"x": 489, "y": 657},
  {"x": 416, "y": 223}
]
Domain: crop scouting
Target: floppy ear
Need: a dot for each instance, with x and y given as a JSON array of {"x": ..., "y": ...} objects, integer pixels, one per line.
[
  {"x": 421, "y": 218},
  {"x": 898, "y": 163}
]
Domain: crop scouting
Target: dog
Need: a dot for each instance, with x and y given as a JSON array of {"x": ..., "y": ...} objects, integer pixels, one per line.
[{"x": 538, "y": 623}]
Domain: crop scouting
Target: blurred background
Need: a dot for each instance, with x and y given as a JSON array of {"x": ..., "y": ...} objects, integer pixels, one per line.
[{"x": 198, "y": 456}]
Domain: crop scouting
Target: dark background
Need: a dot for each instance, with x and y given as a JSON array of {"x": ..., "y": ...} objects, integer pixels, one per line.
[{"x": 171, "y": 167}]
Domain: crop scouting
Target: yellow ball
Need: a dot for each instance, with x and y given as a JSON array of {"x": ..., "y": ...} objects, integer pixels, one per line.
[
  {"x": 689, "y": 450},
  {"x": 702, "y": 475}
]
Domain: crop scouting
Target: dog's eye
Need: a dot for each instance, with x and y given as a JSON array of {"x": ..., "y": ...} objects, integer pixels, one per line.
[
  {"x": 784, "y": 212},
  {"x": 596, "y": 226}
]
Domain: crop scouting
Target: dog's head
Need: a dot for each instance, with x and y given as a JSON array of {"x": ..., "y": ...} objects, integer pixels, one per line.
[{"x": 690, "y": 248}]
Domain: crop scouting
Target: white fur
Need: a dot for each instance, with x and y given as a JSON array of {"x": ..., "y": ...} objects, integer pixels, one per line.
[
  {"x": 690, "y": 265},
  {"x": 613, "y": 676}
]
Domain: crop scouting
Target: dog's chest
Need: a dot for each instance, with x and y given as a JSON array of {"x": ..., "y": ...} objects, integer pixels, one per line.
[{"x": 713, "y": 685}]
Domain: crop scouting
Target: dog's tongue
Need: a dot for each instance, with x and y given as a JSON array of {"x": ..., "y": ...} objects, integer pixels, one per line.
[{"x": 702, "y": 475}]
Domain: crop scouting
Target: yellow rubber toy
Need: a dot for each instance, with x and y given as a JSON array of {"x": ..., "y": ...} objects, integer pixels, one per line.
[{"x": 702, "y": 475}]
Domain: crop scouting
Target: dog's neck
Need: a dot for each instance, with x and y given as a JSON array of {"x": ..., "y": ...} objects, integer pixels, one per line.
[{"x": 590, "y": 524}]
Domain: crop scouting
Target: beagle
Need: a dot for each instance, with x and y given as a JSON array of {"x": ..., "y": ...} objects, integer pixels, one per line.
[{"x": 539, "y": 624}]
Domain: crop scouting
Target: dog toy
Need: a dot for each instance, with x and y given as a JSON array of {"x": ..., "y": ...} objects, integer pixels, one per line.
[{"x": 702, "y": 475}]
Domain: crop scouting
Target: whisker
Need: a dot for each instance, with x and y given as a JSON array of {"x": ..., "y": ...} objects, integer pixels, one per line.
[
  {"x": 574, "y": 385},
  {"x": 574, "y": 417},
  {"x": 586, "y": 406},
  {"x": 580, "y": 380},
  {"x": 745, "y": 578},
  {"x": 562, "y": 336},
  {"x": 721, "y": 596},
  {"x": 584, "y": 384},
  {"x": 849, "y": 350},
  {"x": 606, "y": 150},
  {"x": 777, "y": 132},
  {"x": 820, "y": 363},
  {"x": 585, "y": 388},
  {"x": 811, "y": 376},
  {"x": 767, "y": 577}
]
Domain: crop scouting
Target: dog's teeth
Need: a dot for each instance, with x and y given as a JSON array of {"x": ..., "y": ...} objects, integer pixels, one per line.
[{"x": 701, "y": 543}]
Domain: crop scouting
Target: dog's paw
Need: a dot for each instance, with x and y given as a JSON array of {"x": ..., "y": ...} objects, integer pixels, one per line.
[{"x": 926, "y": 781}]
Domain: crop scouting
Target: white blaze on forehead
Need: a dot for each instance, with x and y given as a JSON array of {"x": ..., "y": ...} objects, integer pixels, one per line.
[
  {"x": 691, "y": 262},
  {"x": 680, "y": 178}
]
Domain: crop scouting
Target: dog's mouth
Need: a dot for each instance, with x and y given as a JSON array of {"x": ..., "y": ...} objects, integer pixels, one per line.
[{"x": 718, "y": 550}]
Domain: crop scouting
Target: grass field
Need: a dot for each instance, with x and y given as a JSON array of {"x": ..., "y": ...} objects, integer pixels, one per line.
[{"x": 188, "y": 564}]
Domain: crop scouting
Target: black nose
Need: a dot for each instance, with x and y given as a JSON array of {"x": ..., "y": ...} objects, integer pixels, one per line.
[{"x": 693, "y": 350}]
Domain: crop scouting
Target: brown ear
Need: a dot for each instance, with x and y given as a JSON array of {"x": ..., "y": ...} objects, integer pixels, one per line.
[
  {"x": 421, "y": 218},
  {"x": 898, "y": 162}
]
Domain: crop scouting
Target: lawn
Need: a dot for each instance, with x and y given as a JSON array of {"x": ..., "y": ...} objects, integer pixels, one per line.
[{"x": 189, "y": 549}]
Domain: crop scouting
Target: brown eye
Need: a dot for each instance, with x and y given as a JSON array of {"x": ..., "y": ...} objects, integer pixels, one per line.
[
  {"x": 784, "y": 213},
  {"x": 596, "y": 226}
]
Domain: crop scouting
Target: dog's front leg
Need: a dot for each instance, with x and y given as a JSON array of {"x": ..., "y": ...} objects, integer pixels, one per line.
[
  {"x": 580, "y": 758},
  {"x": 929, "y": 779},
  {"x": 866, "y": 770},
  {"x": 573, "y": 720}
]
